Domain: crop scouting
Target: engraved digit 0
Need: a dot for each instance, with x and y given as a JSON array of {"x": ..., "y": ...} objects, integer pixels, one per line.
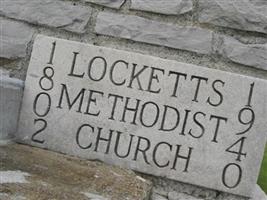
[
  {"x": 35, "y": 104},
  {"x": 239, "y": 175}
]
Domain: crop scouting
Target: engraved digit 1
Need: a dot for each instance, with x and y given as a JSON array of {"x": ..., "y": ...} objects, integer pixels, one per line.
[
  {"x": 39, "y": 131},
  {"x": 52, "y": 53},
  {"x": 250, "y": 94}
]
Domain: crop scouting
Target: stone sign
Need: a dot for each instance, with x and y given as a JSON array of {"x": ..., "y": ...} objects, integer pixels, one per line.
[{"x": 161, "y": 117}]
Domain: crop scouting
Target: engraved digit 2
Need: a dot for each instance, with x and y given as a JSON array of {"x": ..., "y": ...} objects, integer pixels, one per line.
[{"x": 39, "y": 131}]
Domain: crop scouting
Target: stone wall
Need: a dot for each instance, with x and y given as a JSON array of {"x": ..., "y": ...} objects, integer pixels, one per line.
[{"x": 226, "y": 35}]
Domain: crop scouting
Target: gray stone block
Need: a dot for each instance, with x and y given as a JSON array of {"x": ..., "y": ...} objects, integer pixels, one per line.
[
  {"x": 143, "y": 30},
  {"x": 15, "y": 37},
  {"x": 245, "y": 15},
  {"x": 254, "y": 55},
  {"x": 10, "y": 100},
  {"x": 169, "y": 7},
  {"x": 111, "y": 105},
  {"x": 108, "y": 3},
  {"x": 53, "y": 13}
]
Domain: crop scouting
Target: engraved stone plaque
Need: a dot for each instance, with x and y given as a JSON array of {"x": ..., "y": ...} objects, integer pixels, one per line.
[{"x": 161, "y": 117}]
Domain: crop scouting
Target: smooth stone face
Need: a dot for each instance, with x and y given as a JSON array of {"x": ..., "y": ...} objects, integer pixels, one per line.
[
  {"x": 144, "y": 30},
  {"x": 10, "y": 100},
  {"x": 108, "y": 3},
  {"x": 258, "y": 194},
  {"x": 169, "y": 7},
  {"x": 15, "y": 37},
  {"x": 156, "y": 116},
  {"x": 245, "y": 15},
  {"x": 53, "y": 13}
]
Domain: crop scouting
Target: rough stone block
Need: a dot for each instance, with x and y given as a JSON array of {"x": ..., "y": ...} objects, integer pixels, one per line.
[
  {"x": 108, "y": 3},
  {"x": 15, "y": 37},
  {"x": 10, "y": 100},
  {"x": 244, "y": 15},
  {"x": 4, "y": 72},
  {"x": 161, "y": 117},
  {"x": 254, "y": 55},
  {"x": 35, "y": 174},
  {"x": 143, "y": 30},
  {"x": 177, "y": 196},
  {"x": 168, "y": 7},
  {"x": 54, "y": 13}
]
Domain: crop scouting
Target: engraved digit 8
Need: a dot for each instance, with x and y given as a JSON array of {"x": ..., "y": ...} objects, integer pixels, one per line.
[
  {"x": 48, "y": 77},
  {"x": 249, "y": 122}
]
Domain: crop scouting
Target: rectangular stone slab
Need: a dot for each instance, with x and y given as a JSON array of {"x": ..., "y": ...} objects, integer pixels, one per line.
[{"x": 161, "y": 117}]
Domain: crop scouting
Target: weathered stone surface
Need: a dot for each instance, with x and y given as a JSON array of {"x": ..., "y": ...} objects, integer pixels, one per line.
[
  {"x": 178, "y": 196},
  {"x": 14, "y": 38},
  {"x": 245, "y": 15},
  {"x": 258, "y": 194},
  {"x": 36, "y": 174},
  {"x": 165, "y": 188},
  {"x": 108, "y": 3},
  {"x": 156, "y": 196},
  {"x": 13, "y": 177},
  {"x": 4, "y": 72},
  {"x": 254, "y": 55},
  {"x": 148, "y": 31},
  {"x": 151, "y": 122},
  {"x": 169, "y": 7},
  {"x": 10, "y": 100},
  {"x": 92, "y": 196},
  {"x": 53, "y": 13}
]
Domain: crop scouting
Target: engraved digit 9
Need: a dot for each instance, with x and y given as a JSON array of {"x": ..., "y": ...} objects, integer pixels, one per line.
[
  {"x": 39, "y": 131},
  {"x": 249, "y": 122},
  {"x": 48, "y": 73}
]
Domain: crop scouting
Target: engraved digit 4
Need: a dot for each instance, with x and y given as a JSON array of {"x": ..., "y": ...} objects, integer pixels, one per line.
[{"x": 239, "y": 153}]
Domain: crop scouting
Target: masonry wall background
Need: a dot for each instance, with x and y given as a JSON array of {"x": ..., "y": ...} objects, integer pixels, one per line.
[{"x": 229, "y": 35}]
